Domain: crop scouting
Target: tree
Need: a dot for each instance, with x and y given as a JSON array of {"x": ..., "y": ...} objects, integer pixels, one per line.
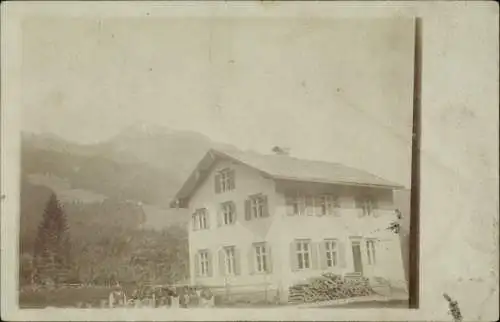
[{"x": 52, "y": 247}]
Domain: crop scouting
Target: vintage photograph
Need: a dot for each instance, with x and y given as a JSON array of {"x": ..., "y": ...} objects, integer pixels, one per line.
[{"x": 216, "y": 162}]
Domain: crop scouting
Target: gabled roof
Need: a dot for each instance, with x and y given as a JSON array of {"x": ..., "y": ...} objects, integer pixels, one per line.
[{"x": 284, "y": 167}]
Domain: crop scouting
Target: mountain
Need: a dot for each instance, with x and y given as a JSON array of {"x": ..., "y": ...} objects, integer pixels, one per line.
[
  {"x": 144, "y": 164},
  {"x": 176, "y": 152}
]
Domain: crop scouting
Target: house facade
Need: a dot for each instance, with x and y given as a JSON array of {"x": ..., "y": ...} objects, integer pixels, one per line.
[{"x": 269, "y": 221}]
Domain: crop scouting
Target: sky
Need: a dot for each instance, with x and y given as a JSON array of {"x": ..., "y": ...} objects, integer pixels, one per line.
[{"x": 329, "y": 89}]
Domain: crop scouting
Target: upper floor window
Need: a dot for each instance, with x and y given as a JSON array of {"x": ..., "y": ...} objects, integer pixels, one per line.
[
  {"x": 311, "y": 205},
  {"x": 292, "y": 205},
  {"x": 303, "y": 253},
  {"x": 329, "y": 205},
  {"x": 228, "y": 213},
  {"x": 200, "y": 219},
  {"x": 367, "y": 206},
  {"x": 224, "y": 180},
  {"x": 370, "y": 251},
  {"x": 262, "y": 258},
  {"x": 256, "y": 207},
  {"x": 331, "y": 253},
  {"x": 204, "y": 263}
]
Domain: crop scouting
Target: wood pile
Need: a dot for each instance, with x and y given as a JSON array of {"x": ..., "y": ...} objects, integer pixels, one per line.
[{"x": 329, "y": 287}]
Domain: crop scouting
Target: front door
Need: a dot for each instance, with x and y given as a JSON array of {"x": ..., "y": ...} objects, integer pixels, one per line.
[{"x": 356, "y": 257}]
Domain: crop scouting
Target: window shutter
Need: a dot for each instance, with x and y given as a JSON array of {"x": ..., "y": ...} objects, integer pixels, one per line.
[
  {"x": 207, "y": 218},
  {"x": 319, "y": 203},
  {"x": 294, "y": 263},
  {"x": 308, "y": 205},
  {"x": 197, "y": 264},
  {"x": 237, "y": 261},
  {"x": 193, "y": 221},
  {"x": 314, "y": 255},
  {"x": 336, "y": 206},
  {"x": 220, "y": 215},
  {"x": 302, "y": 205},
  {"x": 251, "y": 260},
  {"x": 269, "y": 259},
  {"x": 265, "y": 206},
  {"x": 232, "y": 179},
  {"x": 341, "y": 251},
  {"x": 233, "y": 209},
  {"x": 359, "y": 207},
  {"x": 322, "y": 255},
  {"x": 374, "y": 205},
  {"x": 217, "y": 183},
  {"x": 248, "y": 214},
  {"x": 222, "y": 257},
  {"x": 210, "y": 264}
]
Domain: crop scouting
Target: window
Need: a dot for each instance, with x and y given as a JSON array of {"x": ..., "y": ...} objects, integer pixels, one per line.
[
  {"x": 230, "y": 260},
  {"x": 261, "y": 258},
  {"x": 303, "y": 251},
  {"x": 370, "y": 251},
  {"x": 204, "y": 262},
  {"x": 329, "y": 205},
  {"x": 367, "y": 205},
  {"x": 309, "y": 201},
  {"x": 292, "y": 205},
  {"x": 224, "y": 180},
  {"x": 200, "y": 219},
  {"x": 331, "y": 253},
  {"x": 318, "y": 205},
  {"x": 256, "y": 207},
  {"x": 228, "y": 213}
]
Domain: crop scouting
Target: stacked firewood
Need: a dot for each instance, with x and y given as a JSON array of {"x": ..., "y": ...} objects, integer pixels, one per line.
[{"x": 329, "y": 287}]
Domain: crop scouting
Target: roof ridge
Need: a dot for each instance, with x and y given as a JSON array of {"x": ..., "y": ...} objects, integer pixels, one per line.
[{"x": 294, "y": 158}]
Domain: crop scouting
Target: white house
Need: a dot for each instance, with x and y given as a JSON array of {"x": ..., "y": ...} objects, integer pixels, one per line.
[{"x": 273, "y": 220}]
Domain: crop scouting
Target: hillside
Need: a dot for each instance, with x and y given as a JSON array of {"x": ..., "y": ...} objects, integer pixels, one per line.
[
  {"x": 143, "y": 164},
  {"x": 106, "y": 242}
]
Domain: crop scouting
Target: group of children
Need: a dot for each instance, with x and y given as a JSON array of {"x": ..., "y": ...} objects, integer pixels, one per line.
[{"x": 166, "y": 297}]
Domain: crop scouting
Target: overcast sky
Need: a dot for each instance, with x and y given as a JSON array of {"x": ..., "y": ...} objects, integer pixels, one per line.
[{"x": 338, "y": 90}]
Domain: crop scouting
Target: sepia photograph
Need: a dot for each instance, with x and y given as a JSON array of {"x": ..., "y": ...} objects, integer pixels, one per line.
[
  {"x": 249, "y": 161},
  {"x": 216, "y": 162}
]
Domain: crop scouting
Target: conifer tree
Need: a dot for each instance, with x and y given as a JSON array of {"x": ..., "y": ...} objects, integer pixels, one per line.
[{"x": 52, "y": 247}]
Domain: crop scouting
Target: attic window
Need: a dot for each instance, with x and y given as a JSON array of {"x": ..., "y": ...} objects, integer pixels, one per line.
[{"x": 224, "y": 180}]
